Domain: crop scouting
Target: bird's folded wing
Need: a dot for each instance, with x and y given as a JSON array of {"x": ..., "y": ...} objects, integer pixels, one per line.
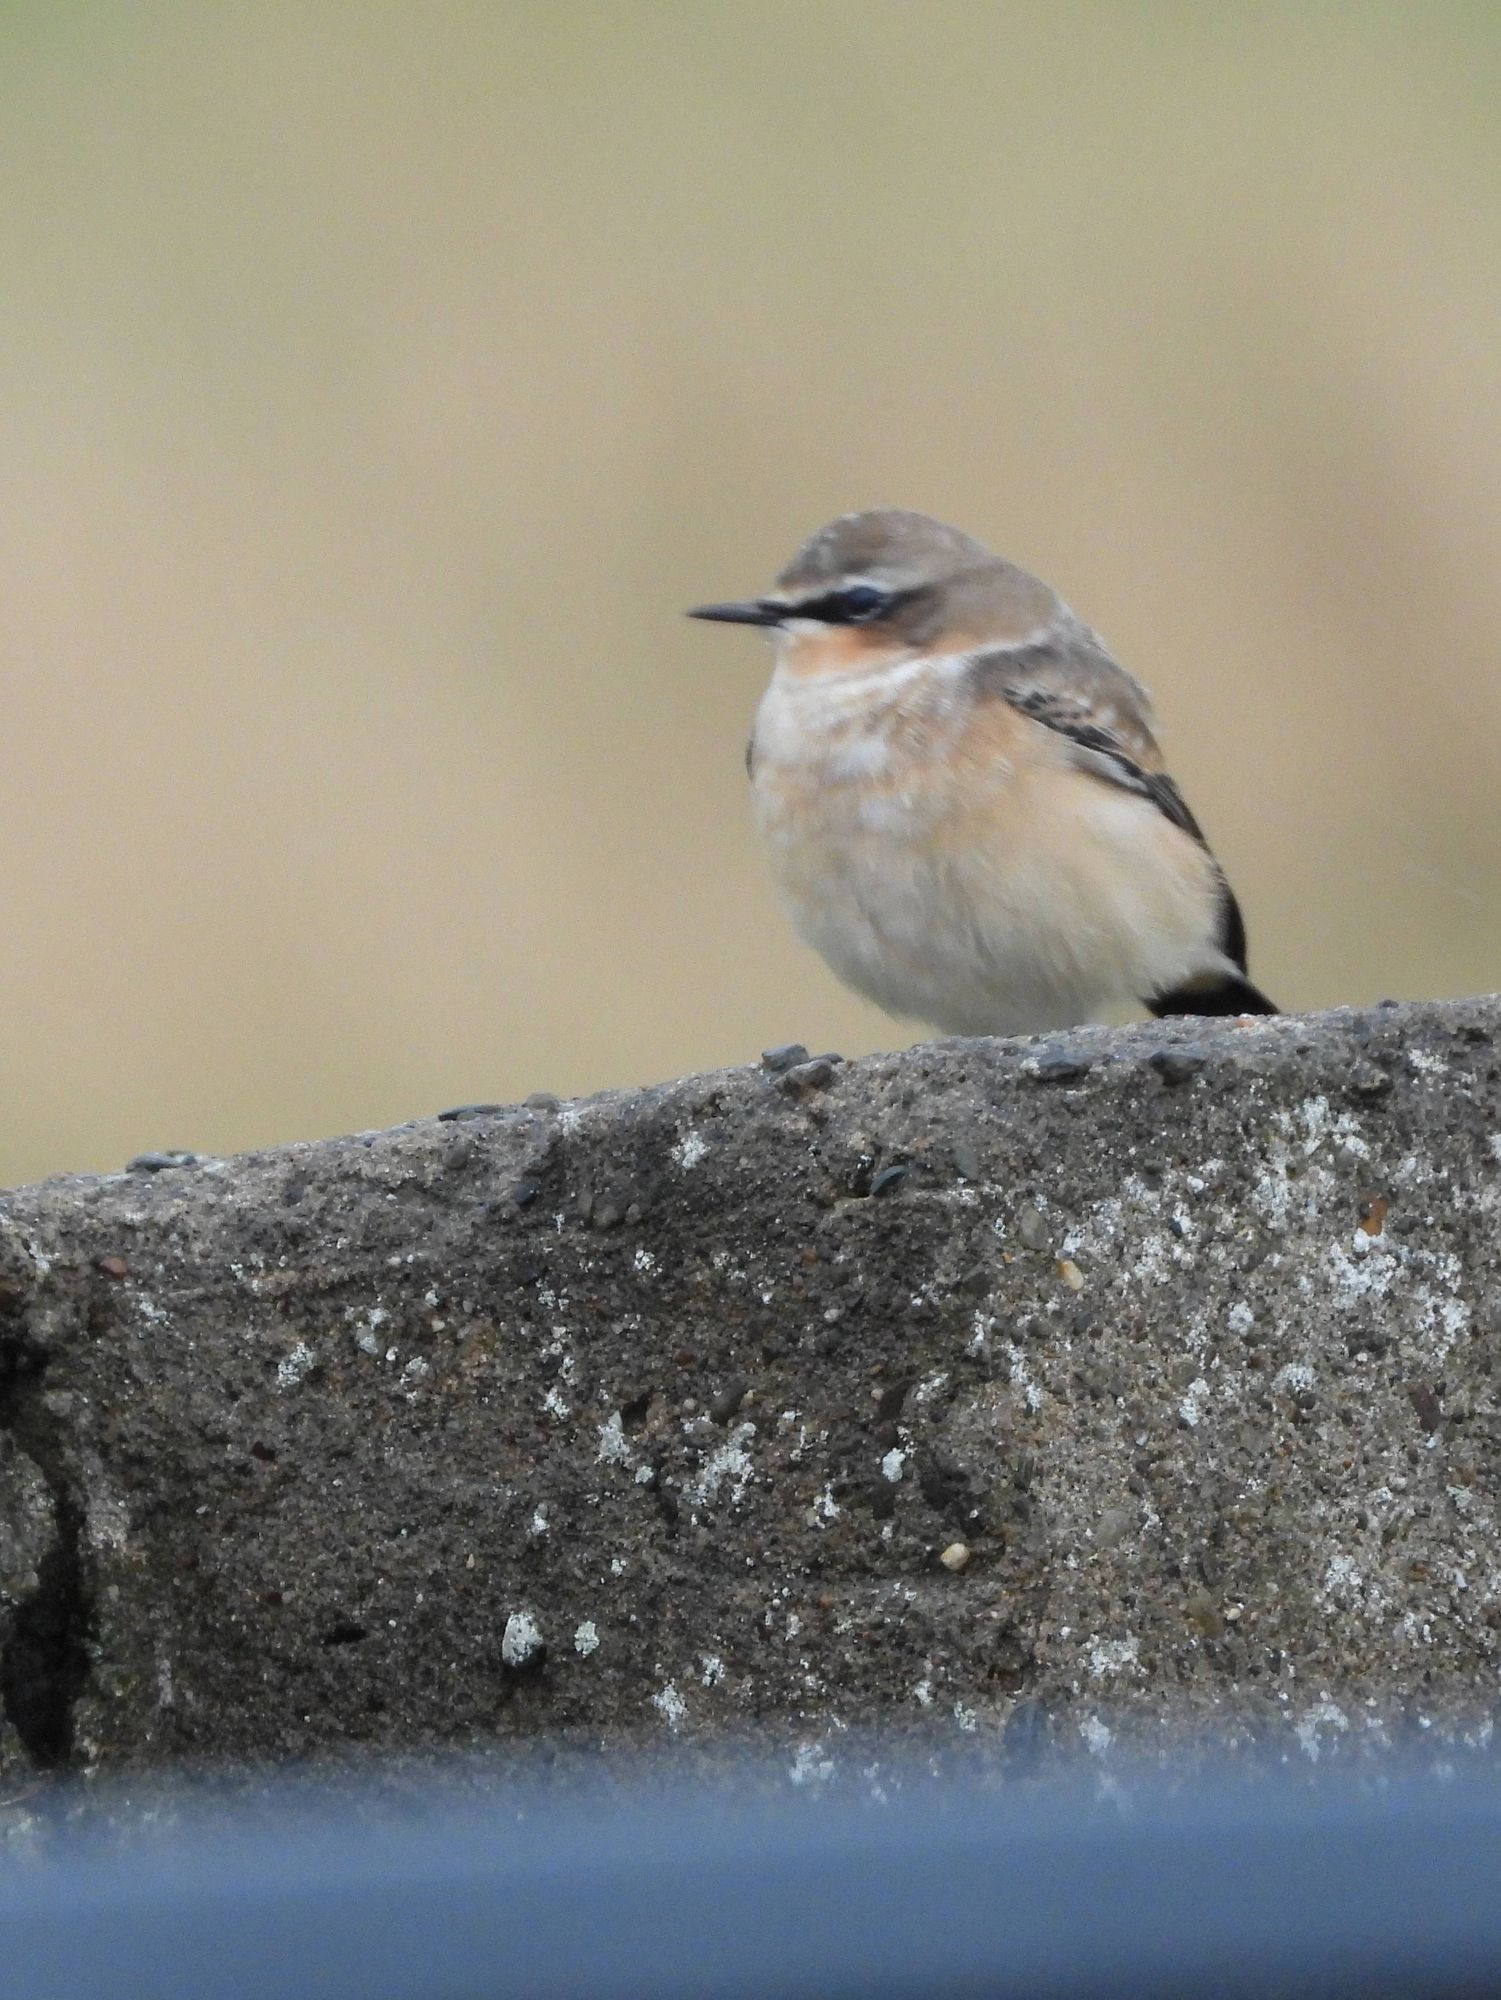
[{"x": 1071, "y": 686}]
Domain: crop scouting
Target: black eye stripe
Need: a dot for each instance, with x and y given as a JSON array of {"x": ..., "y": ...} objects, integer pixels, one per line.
[{"x": 848, "y": 607}]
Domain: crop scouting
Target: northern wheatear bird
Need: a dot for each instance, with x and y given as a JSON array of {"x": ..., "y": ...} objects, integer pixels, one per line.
[{"x": 963, "y": 800}]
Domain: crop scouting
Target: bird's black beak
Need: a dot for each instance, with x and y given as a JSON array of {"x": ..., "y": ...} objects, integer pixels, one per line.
[{"x": 762, "y": 612}]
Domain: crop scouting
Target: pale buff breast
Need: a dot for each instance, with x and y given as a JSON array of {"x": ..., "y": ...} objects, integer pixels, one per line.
[{"x": 950, "y": 863}]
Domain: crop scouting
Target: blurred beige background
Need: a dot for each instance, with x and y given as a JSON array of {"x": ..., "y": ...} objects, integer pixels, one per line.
[{"x": 382, "y": 382}]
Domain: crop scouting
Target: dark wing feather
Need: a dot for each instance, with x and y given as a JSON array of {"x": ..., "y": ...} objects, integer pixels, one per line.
[{"x": 1105, "y": 753}]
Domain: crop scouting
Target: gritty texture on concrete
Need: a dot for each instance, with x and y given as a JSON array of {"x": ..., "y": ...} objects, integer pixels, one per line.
[{"x": 1073, "y": 1390}]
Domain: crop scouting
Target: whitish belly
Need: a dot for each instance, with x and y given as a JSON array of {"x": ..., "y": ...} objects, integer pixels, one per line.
[{"x": 1027, "y": 909}]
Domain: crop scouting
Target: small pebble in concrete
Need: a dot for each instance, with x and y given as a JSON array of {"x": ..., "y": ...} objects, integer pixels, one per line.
[
  {"x": 955, "y": 1556},
  {"x": 460, "y": 1112},
  {"x": 729, "y": 1399},
  {"x": 1058, "y": 1067},
  {"x": 788, "y": 1056},
  {"x": 1373, "y": 1214},
  {"x": 1177, "y": 1065},
  {"x": 806, "y": 1078},
  {"x": 1032, "y": 1228},
  {"x": 159, "y": 1163},
  {"x": 1368, "y": 1079}
]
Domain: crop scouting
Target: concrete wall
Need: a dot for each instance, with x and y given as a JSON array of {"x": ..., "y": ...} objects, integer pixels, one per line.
[{"x": 1097, "y": 1390}]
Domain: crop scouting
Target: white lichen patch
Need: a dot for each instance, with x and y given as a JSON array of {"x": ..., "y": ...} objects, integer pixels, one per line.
[
  {"x": 1098, "y": 1735},
  {"x": 522, "y": 1639},
  {"x": 1426, "y": 1063},
  {"x": 295, "y": 1367},
  {"x": 1297, "y": 1139},
  {"x": 690, "y": 1150},
  {"x": 1194, "y": 1402},
  {"x": 1294, "y": 1376},
  {"x": 644, "y": 1260},
  {"x": 810, "y": 1766},
  {"x": 1113, "y": 1656},
  {"x": 1326, "y": 1717},
  {"x": 586, "y": 1638},
  {"x": 1021, "y": 1376},
  {"x": 728, "y": 1465},
  {"x": 613, "y": 1448},
  {"x": 893, "y": 1464},
  {"x": 1348, "y": 1585},
  {"x": 711, "y": 1670},
  {"x": 1425, "y": 1284},
  {"x": 670, "y": 1705}
]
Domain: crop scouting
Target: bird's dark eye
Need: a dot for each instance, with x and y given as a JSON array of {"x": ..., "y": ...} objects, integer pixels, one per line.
[{"x": 862, "y": 601}]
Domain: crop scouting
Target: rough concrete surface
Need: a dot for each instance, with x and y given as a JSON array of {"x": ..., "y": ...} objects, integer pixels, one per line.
[{"x": 1081, "y": 1390}]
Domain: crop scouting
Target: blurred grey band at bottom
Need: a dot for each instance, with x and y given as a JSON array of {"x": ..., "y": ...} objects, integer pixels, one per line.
[{"x": 1390, "y": 1884}]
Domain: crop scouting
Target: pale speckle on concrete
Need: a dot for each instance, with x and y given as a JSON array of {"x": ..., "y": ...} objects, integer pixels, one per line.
[{"x": 586, "y": 1638}]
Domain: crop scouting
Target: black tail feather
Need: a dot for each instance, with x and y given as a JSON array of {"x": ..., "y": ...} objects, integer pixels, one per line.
[{"x": 1225, "y": 996}]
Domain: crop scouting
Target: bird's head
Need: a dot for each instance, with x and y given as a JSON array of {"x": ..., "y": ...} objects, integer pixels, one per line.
[{"x": 885, "y": 585}]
